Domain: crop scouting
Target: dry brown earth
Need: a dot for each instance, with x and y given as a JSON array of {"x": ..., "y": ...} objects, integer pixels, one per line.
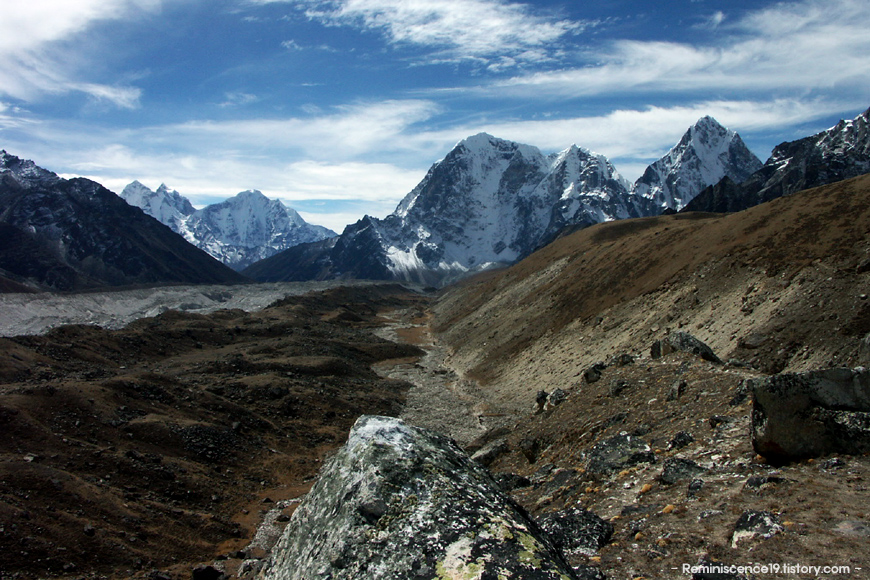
[{"x": 780, "y": 287}]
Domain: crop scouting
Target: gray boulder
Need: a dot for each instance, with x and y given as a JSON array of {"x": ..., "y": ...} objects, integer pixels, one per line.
[
  {"x": 683, "y": 342},
  {"x": 618, "y": 453},
  {"x": 402, "y": 502},
  {"x": 811, "y": 414}
]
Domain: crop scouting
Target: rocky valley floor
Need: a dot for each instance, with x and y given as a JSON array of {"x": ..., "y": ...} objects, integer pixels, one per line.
[{"x": 143, "y": 451}]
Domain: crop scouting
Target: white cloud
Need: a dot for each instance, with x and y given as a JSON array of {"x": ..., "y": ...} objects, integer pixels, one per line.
[
  {"x": 632, "y": 138},
  {"x": 456, "y": 29},
  {"x": 800, "y": 46},
  {"x": 350, "y": 131},
  {"x": 33, "y": 63}
]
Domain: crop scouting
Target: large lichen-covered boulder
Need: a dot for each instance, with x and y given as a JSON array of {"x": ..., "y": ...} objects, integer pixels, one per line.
[
  {"x": 402, "y": 502},
  {"x": 811, "y": 414}
]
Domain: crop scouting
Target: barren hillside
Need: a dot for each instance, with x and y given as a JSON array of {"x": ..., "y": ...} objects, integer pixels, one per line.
[
  {"x": 782, "y": 286},
  {"x": 660, "y": 447}
]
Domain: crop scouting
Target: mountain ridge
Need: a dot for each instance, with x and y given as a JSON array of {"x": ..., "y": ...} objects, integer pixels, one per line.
[
  {"x": 73, "y": 234},
  {"x": 238, "y": 231},
  {"x": 841, "y": 152},
  {"x": 490, "y": 202}
]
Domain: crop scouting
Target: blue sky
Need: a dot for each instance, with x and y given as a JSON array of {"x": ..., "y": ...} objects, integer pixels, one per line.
[{"x": 339, "y": 107}]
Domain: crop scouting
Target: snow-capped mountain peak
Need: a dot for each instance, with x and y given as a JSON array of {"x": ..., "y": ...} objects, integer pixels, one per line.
[
  {"x": 167, "y": 206},
  {"x": 238, "y": 231},
  {"x": 706, "y": 153}
]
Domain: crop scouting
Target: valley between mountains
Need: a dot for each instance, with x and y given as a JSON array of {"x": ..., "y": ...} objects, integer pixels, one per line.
[{"x": 180, "y": 444}]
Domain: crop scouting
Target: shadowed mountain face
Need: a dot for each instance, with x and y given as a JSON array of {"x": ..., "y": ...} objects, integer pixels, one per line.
[
  {"x": 74, "y": 234},
  {"x": 841, "y": 152}
]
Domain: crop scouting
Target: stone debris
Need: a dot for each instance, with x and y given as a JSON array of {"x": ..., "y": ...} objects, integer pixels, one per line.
[{"x": 683, "y": 342}]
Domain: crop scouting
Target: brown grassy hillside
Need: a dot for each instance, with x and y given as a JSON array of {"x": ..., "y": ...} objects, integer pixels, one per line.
[{"x": 780, "y": 286}]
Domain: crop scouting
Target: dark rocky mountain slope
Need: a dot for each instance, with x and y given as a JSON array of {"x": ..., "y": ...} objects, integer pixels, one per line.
[{"x": 75, "y": 234}]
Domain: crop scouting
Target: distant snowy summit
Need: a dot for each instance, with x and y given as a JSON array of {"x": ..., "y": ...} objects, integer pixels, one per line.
[
  {"x": 74, "y": 234},
  {"x": 238, "y": 232},
  {"x": 491, "y": 202}
]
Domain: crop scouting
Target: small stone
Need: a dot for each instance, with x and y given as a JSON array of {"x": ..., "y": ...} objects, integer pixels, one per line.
[
  {"x": 668, "y": 508},
  {"x": 556, "y": 398},
  {"x": 617, "y": 387},
  {"x": 89, "y": 530},
  {"x": 207, "y": 573},
  {"x": 677, "y": 469},
  {"x": 754, "y": 524},
  {"x": 681, "y": 439},
  {"x": 593, "y": 373},
  {"x": 677, "y": 390}
]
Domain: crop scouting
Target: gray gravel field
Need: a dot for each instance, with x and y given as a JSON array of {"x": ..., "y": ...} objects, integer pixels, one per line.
[{"x": 38, "y": 313}]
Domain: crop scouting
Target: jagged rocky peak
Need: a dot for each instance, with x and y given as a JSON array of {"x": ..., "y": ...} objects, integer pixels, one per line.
[
  {"x": 25, "y": 171},
  {"x": 166, "y": 205},
  {"x": 239, "y": 231},
  {"x": 839, "y": 153},
  {"x": 706, "y": 153}
]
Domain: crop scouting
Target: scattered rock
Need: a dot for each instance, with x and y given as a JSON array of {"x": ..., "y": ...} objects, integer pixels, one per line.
[
  {"x": 677, "y": 469},
  {"x": 622, "y": 359},
  {"x": 556, "y": 398},
  {"x": 677, "y": 390},
  {"x": 695, "y": 486},
  {"x": 618, "y": 453},
  {"x": 618, "y": 386},
  {"x": 853, "y": 528},
  {"x": 508, "y": 482},
  {"x": 540, "y": 401},
  {"x": 757, "y": 482},
  {"x": 444, "y": 516},
  {"x": 811, "y": 414},
  {"x": 576, "y": 531},
  {"x": 207, "y": 573},
  {"x": 752, "y": 341},
  {"x": 89, "y": 530},
  {"x": 490, "y": 452},
  {"x": 680, "y": 439},
  {"x": 718, "y": 420},
  {"x": 755, "y": 524},
  {"x": 832, "y": 463},
  {"x": 707, "y": 569},
  {"x": 593, "y": 373},
  {"x": 684, "y": 342},
  {"x": 585, "y": 572},
  {"x": 530, "y": 448}
]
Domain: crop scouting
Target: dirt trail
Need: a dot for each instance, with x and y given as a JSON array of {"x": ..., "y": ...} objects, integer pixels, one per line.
[{"x": 441, "y": 399}]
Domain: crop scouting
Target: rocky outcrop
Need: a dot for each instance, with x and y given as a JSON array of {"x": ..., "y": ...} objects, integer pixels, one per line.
[
  {"x": 811, "y": 414},
  {"x": 684, "y": 342},
  {"x": 402, "y": 502}
]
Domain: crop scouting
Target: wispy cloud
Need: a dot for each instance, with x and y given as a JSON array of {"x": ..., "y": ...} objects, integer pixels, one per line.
[
  {"x": 238, "y": 99},
  {"x": 454, "y": 30},
  {"x": 32, "y": 60},
  {"x": 801, "y": 46}
]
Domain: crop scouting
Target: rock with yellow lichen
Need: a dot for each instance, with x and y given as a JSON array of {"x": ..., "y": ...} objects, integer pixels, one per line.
[{"x": 402, "y": 502}]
